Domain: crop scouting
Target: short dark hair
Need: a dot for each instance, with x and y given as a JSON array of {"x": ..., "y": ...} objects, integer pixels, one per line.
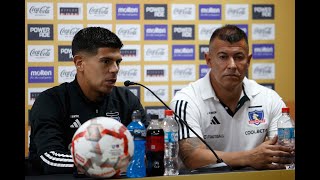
[
  {"x": 90, "y": 39},
  {"x": 230, "y": 33}
]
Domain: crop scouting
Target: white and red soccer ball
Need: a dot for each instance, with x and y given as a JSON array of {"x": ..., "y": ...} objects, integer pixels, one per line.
[{"x": 102, "y": 147}]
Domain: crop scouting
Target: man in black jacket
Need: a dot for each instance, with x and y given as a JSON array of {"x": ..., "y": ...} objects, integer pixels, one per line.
[{"x": 59, "y": 111}]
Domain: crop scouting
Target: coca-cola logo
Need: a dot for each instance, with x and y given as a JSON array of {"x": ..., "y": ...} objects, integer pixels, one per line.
[
  {"x": 159, "y": 92},
  {"x": 206, "y": 31},
  {"x": 263, "y": 70},
  {"x": 263, "y": 31},
  {"x": 71, "y": 31},
  {"x": 237, "y": 12},
  {"x": 183, "y": 72},
  {"x": 129, "y": 73},
  {"x": 39, "y": 10},
  {"x": 68, "y": 74},
  {"x": 99, "y": 11},
  {"x": 127, "y": 32},
  {"x": 40, "y": 52},
  {"x": 155, "y": 52},
  {"x": 182, "y": 11}
]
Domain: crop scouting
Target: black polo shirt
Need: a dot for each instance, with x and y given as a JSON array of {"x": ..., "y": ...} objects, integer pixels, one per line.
[{"x": 59, "y": 111}]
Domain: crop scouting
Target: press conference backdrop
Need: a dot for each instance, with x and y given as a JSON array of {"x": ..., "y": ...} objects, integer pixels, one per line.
[{"x": 164, "y": 43}]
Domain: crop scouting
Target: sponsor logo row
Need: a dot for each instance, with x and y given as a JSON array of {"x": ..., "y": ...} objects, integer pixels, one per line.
[
  {"x": 160, "y": 90},
  {"x": 184, "y": 12},
  {"x": 151, "y": 73},
  {"x": 131, "y": 32},
  {"x": 151, "y": 52}
]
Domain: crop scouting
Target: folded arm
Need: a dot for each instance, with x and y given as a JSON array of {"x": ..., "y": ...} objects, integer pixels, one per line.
[{"x": 268, "y": 155}]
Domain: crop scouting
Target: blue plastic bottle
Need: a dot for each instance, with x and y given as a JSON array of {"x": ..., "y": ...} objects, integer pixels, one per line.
[{"x": 137, "y": 167}]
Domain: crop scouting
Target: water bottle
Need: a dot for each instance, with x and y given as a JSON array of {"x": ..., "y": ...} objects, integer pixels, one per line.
[
  {"x": 171, "y": 146},
  {"x": 155, "y": 147},
  {"x": 286, "y": 133},
  {"x": 137, "y": 167}
]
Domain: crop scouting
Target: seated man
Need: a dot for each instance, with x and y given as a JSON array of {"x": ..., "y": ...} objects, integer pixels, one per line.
[
  {"x": 59, "y": 111},
  {"x": 233, "y": 114}
]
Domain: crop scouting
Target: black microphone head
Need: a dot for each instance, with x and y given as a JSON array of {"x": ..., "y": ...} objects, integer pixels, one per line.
[{"x": 127, "y": 83}]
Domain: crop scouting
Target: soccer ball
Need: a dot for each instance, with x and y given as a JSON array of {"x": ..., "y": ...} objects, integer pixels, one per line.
[{"x": 102, "y": 147}]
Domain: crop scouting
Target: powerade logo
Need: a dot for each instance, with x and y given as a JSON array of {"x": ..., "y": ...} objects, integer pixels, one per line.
[
  {"x": 40, "y": 74},
  {"x": 156, "y": 32},
  {"x": 203, "y": 49},
  {"x": 65, "y": 53},
  {"x": 203, "y": 69},
  {"x": 263, "y": 51},
  {"x": 128, "y": 11},
  {"x": 40, "y": 32},
  {"x": 263, "y": 11},
  {"x": 183, "y": 52},
  {"x": 209, "y": 11},
  {"x": 183, "y": 32},
  {"x": 155, "y": 11}
]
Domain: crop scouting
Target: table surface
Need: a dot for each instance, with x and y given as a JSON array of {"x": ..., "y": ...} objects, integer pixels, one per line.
[{"x": 238, "y": 175}]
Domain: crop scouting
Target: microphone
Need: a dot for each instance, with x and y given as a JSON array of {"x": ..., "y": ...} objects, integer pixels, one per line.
[{"x": 220, "y": 164}]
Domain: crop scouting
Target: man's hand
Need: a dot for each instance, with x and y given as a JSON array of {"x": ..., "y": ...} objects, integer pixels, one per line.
[{"x": 270, "y": 155}]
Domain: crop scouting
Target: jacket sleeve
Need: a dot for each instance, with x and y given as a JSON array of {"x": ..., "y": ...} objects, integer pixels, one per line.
[{"x": 47, "y": 135}]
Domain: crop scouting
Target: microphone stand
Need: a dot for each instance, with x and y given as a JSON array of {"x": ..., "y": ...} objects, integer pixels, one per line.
[{"x": 202, "y": 169}]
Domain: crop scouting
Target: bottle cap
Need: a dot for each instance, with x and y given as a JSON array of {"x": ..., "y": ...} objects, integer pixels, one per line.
[
  {"x": 168, "y": 112},
  {"x": 154, "y": 116},
  {"x": 136, "y": 114},
  {"x": 285, "y": 110}
]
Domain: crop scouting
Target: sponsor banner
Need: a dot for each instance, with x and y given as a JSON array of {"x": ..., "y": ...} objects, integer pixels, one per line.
[
  {"x": 243, "y": 27},
  {"x": 156, "y": 52},
  {"x": 106, "y": 26},
  {"x": 65, "y": 53},
  {"x": 130, "y": 53},
  {"x": 155, "y": 12},
  {"x": 40, "y": 32},
  {"x": 183, "y": 12},
  {"x": 128, "y": 32},
  {"x": 67, "y": 31},
  {"x": 176, "y": 88},
  {"x": 203, "y": 69},
  {"x": 155, "y": 73},
  {"x": 127, "y": 11},
  {"x": 66, "y": 73},
  {"x": 263, "y": 71},
  {"x": 210, "y": 11},
  {"x": 70, "y": 11},
  {"x": 40, "y": 53},
  {"x": 156, "y": 32},
  {"x": 203, "y": 48},
  {"x": 39, "y": 11},
  {"x": 205, "y": 30},
  {"x": 237, "y": 11},
  {"x": 263, "y": 51},
  {"x": 160, "y": 90},
  {"x": 158, "y": 110},
  {"x": 262, "y": 11},
  {"x": 183, "y": 52},
  {"x": 33, "y": 93},
  {"x": 40, "y": 75},
  {"x": 99, "y": 11},
  {"x": 135, "y": 90},
  {"x": 183, "y": 72},
  {"x": 183, "y": 32},
  {"x": 268, "y": 85},
  {"x": 129, "y": 72},
  {"x": 263, "y": 32}
]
